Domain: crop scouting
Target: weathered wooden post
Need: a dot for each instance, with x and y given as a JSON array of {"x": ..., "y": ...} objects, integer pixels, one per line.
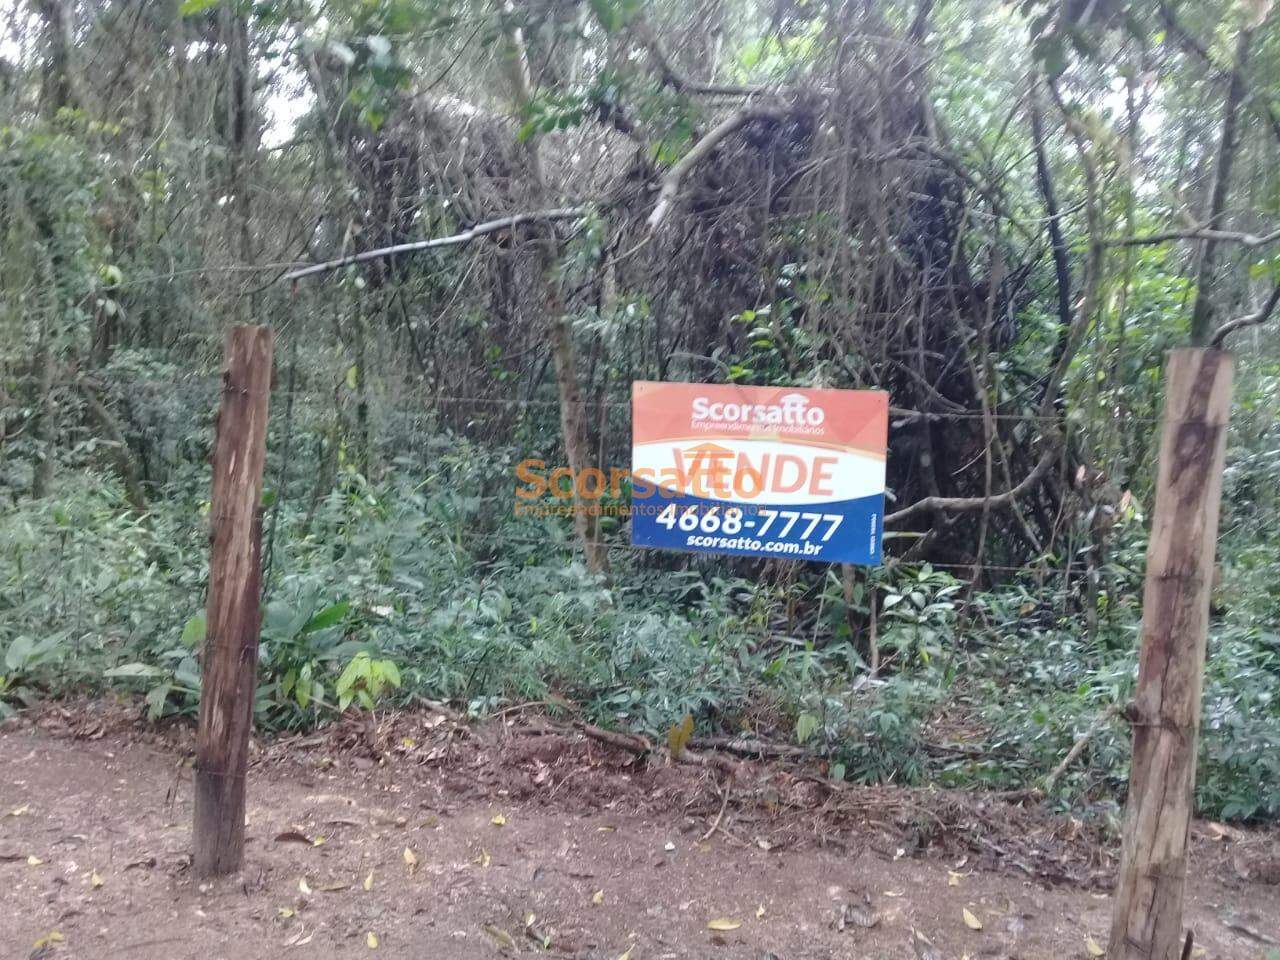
[
  {"x": 1165, "y": 713},
  {"x": 233, "y": 616}
]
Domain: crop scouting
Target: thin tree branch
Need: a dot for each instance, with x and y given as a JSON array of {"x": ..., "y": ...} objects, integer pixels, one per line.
[
  {"x": 1202, "y": 309},
  {"x": 1249, "y": 240},
  {"x": 701, "y": 150},
  {"x": 1061, "y": 260},
  {"x": 1249, "y": 319},
  {"x": 996, "y": 501},
  {"x": 466, "y": 236},
  {"x": 677, "y": 81},
  {"x": 1175, "y": 29}
]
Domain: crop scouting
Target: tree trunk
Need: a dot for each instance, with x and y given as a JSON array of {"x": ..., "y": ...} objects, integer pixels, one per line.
[
  {"x": 121, "y": 455},
  {"x": 233, "y": 614},
  {"x": 577, "y": 446},
  {"x": 1147, "y": 918},
  {"x": 45, "y": 421},
  {"x": 55, "y": 94},
  {"x": 1202, "y": 311}
]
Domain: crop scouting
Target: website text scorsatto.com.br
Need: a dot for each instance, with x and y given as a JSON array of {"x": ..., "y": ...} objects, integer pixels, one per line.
[{"x": 748, "y": 543}]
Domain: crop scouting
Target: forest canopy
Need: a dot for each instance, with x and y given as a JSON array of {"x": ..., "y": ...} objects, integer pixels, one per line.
[{"x": 1003, "y": 214}]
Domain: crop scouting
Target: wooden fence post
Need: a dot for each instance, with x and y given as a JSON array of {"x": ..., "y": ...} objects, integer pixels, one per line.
[
  {"x": 234, "y": 614},
  {"x": 1165, "y": 713}
]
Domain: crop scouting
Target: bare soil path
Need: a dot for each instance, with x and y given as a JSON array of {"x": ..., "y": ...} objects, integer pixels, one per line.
[{"x": 507, "y": 843}]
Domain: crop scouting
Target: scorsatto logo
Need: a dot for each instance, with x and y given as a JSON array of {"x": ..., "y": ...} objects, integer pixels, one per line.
[{"x": 791, "y": 410}]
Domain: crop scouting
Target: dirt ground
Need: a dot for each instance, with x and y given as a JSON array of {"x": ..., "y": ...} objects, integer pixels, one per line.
[{"x": 416, "y": 837}]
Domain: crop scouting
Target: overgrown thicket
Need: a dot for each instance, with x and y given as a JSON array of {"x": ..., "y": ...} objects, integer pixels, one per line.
[{"x": 1003, "y": 216}]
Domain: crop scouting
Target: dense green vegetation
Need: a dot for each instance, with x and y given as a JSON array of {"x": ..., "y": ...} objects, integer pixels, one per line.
[{"x": 934, "y": 199}]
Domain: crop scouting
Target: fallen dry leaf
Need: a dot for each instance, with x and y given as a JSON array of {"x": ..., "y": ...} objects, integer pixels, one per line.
[
  {"x": 501, "y": 937},
  {"x": 410, "y": 859},
  {"x": 19, "y": 811},
  {"x": 1092, "y": 948},
  {"x": 598, "y": 897},
  {"x": 923, "y": 946},
  {"x": 303, "y": 887},
  {"x": 293, "y": 836},
  {"x": 851, "y": 913},
  {"x": 760, "y": 911},
  {"x": 371, "y": 940},
  {"x": 724, "y": 924},
  {"x": 95, "y": 880},
  {"x": 368, "y": 881},
  {"x": 34, "y": 861},
  {"x": 499, "y": 820},
  {"x": 299, "y": 937},
  {"x": 49, "y": 939},
  {"x": 285, "y": 912},
  {"x": 970, "y": 921}
]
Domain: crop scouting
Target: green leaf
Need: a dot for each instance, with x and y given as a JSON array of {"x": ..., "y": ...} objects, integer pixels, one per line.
[
  {"x": 129, "y": 670},
  {"x": 326, "y": 617},
  {"x": 190, "y": 8},
  {"x": 157, "y": 697},
  {"x": 609, "y": 14},
  {"x": 391, "y": 673},
  {"x": 193, "y": 632},
  {"x": 19, "y": 652}
]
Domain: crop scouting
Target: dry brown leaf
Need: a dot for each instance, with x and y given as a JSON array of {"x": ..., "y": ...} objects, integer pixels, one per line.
[
  {"x": 1092, "y": 948},
  {"x": 303, "y": 887},
  {"x": 371, "y": 940},
  {"x": 95, "y": 879},
  {"x": 34, "y": 861},
  {"x": 723, "y": 923},
  {"x": 852, "y": 913},
  {"x": 923, "y": 946},
  {"x": 410, "y": 859},
  {"x": 368, "y": 881},
  {"x": 499, "y": 820},
  {"x": 598, "y": 897},
  {"x": 501, "y": 937},
  {"x": 970, "y": 921},
  {"x": 293, "y": 836}
]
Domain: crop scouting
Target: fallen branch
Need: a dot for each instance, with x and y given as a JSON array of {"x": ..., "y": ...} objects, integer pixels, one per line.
[
  {"x": 749, "y": 747},
  {"x": 640, "y": 746},
  {"x": 701, "y": 150},
  {"x": 715, "y": 824},
  {"x": 623, "y": 741},
  {"x": 1077, "y": 748},
  {"x": 466, "y": 236}
]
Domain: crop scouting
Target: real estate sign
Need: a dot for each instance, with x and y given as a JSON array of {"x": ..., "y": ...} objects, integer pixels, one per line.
[{"x": 760, "y": 471}]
